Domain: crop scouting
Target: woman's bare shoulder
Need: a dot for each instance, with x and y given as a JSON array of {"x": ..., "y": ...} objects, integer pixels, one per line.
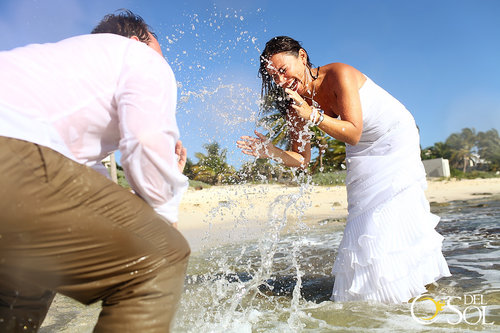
[
  {"x": 340, "y": 72},
  {"x": 339, "y": 69}
]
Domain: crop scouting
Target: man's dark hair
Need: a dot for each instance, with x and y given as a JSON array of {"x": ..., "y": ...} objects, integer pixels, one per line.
[{"x": 124, "y": 23}]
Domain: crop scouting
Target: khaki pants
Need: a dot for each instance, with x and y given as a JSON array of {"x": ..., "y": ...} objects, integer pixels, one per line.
[{"x": 65, "y": 228}]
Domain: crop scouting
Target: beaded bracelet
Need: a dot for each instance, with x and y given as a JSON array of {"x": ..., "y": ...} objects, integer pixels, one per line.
[
  {"x": 321, "y": 117},
  {"x": 313, "y": 115}
]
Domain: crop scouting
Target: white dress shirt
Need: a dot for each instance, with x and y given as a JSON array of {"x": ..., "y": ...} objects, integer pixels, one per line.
[{"x": 89, "y": 95}]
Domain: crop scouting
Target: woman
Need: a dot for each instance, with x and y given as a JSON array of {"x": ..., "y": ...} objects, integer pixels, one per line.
[{"x": 389, "y": 250}]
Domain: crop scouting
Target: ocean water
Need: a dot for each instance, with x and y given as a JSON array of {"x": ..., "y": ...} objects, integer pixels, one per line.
[{"x": 282, "y": 283}]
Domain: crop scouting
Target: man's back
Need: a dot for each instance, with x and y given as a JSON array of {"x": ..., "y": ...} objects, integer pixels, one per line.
[{"x": 67, "y": 95}]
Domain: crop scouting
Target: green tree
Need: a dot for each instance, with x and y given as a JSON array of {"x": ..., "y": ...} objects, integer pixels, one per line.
[
  {"x": 462, "y": 146},
  {"x": 273, "y": 110},
  {"x": 264, "y": 170},
  {"x": 122, "y": 180},
  {"x": 212, "y": 167},
  {"x": 331, "y": 152},
  {"x": 188, "y": 169},
  {"x": 488, "y": 148},
  {"x": 320, "y": 140},
  {"x": 439, "y": 150}
]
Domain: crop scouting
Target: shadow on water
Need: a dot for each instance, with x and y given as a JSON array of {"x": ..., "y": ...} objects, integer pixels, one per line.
[{"x": 315, "y": 289}]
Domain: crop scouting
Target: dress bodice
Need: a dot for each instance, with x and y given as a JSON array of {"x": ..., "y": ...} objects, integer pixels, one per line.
[{"x": 381, "y": 111}]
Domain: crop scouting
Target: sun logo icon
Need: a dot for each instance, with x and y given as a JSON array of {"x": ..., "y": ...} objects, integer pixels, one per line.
[{"x": 439, "y": 306}]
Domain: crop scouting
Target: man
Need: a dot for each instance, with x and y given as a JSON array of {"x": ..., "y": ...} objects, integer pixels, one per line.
[{"x": 63, "y": 226}]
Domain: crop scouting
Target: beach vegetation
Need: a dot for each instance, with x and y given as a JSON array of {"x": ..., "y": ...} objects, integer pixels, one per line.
[
  {"x": 329, "y": 178},
  {"x": 329, "y": 152},
  {"x": 463, "y": 148},
  {"x": 212, "y": 167},
  {"x": 264, "y": 171},
  {"x": 188, "y": 169},
  {"x": 488, "y": 147},
  {"x": 438, "y": 150},
  {"x": 122, "y": 180},
  {"x": 471, "y": 155},
  {"x": 468, "y": 152},
  {"x": 198, "y": 185},
  {"x": 272, "y": 117},
  {"x": 459, "y": 174}
]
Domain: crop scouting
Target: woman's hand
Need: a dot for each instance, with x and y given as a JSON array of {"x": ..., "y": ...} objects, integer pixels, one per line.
[
  {"x": 259, "y": 147},
  {"x": 181, "y": 153},
  {"x": 300, "y": 106}
]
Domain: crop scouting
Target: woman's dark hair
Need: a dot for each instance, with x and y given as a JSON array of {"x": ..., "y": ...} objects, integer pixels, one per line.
[
  {"x": 270, "y": 91},
  {"x": 125, "y": 23}
]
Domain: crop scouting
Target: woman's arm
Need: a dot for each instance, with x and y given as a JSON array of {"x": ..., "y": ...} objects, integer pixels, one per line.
[{"x": 261, "y": 147}]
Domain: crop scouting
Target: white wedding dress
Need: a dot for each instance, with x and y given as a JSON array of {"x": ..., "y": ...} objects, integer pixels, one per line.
[{"x": 389, "y": 250}]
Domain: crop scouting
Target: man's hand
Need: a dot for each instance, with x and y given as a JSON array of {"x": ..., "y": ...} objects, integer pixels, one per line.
[{"x": 181, "y": 153}]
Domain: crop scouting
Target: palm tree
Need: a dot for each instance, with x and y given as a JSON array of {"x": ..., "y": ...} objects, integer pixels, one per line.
[
  {"x": 320, "y": 141},
  {"x": 274, "y": 106},
  {"x": 188, "y": 169},
  {"x": 212, "y": 168},
  {"x": 439, "y": 150},
  {"x": 462, "y": 146},
  {"x": 335, "y": 155},
  {"x": 488, "y": 146},
  {"x": 331, "y": 152},
  {"x": 260, "y": 170}
]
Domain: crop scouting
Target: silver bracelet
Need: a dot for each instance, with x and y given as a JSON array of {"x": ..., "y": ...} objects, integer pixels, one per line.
[
  {"x": 313, "y": 115},
  {"x": 321, "y": 117}
]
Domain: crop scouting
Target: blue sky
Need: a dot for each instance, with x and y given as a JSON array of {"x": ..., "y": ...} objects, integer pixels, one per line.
[{"x": 438, "y": 57}]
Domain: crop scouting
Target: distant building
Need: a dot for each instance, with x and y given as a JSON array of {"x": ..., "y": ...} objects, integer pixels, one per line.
[
  {"x": 478, "y": 163},
  {"x": 438, "y": 167}
]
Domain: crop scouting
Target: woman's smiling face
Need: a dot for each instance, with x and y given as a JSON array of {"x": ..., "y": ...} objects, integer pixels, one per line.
[{"x": 289, "y": 70}]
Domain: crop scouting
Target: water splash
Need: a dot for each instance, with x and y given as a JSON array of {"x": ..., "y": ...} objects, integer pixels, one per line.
[
  {"x": 240, "y": 288},
  {"x": 214, "y": 55},
  {"x": 238, "y": 291}
]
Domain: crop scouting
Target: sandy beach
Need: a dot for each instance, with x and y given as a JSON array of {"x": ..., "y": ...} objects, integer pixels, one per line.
[{"x": 228, "y": 214}]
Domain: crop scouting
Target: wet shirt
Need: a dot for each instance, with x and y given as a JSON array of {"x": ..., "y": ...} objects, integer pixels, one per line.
[{"x": 89, "y": 95}]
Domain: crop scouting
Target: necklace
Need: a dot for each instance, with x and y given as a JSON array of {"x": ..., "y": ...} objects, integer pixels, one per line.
[{"x": 314, "y": 103}]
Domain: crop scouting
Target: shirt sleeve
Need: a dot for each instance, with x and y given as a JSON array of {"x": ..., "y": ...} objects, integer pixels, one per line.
[
  {"x": 146, "y": 103},
  {"x": 101, "y": 169}
]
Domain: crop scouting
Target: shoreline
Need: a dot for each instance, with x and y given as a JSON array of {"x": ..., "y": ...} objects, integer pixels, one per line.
[{"x": 238, "y": 213}]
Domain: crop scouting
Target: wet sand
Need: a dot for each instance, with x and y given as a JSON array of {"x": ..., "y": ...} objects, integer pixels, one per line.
[{"x": 222, "y": 214}]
